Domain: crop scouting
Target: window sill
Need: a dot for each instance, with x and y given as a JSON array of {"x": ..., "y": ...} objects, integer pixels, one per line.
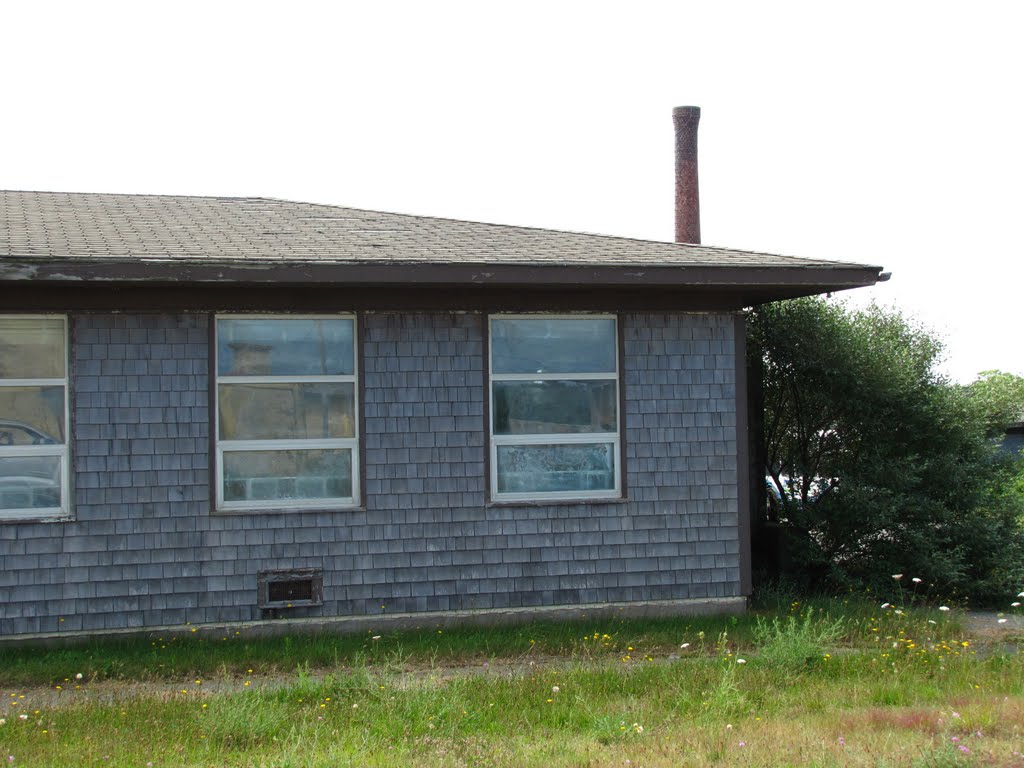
[
  {"x": 553, "y": 502},
  {"x": 285, "y": 511},
  {"x": 39, "y": 519}
]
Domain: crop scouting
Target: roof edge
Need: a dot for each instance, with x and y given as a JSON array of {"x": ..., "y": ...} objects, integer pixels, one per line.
[{"x": 827, "y": 277}]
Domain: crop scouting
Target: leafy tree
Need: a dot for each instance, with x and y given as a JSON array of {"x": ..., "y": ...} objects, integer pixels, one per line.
[
  {"x": 1000, "y": 396},
  {"x": 874, "y": 463}
]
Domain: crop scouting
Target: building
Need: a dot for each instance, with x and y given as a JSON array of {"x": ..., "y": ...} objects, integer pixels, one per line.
[
  {"x": 1013, "y": 439},
  {"x": 221, "y": 410}
]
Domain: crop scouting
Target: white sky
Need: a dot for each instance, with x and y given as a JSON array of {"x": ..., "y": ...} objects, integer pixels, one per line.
[{"x": 888, "y": 133}]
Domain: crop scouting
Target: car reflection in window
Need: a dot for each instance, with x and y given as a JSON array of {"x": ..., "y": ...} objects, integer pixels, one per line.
[
  {"x": 28, "y": 482},
  {"x": 19, "y": 433}
]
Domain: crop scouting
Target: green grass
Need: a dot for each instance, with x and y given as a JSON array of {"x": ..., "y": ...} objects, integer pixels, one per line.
[
  {"x": 885, "y": 689},
  {"x": 234, "y": 653},
  {"x": 170, "y": 657},
  {"x": 796, "y": 642}
]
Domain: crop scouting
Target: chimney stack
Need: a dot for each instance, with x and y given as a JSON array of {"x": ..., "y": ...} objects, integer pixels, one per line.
[{"x": 687, "y": 194}]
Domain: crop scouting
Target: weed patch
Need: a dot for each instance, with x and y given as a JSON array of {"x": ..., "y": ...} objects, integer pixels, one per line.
[{"x": 796, "y": 642}]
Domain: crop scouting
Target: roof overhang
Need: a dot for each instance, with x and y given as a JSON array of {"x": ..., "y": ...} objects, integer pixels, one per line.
[
  {"x": 289, "y": 286},
  {"x": 733, "y": 286},
  {"x": 68, "y": 250}
]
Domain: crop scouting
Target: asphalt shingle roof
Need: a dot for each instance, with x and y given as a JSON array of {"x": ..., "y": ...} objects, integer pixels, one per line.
[{"x": 37, "y": 227}]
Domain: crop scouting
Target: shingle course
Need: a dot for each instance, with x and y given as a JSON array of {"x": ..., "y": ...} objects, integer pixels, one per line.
[{"x": 57, "y": 226}]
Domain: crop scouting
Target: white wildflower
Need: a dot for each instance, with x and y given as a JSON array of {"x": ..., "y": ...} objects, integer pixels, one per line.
[
  {"x": 916, "y": 580},
  {"x": 741, "y": 661},
  {"x": 897, "y": 576},
  {"x": 943, "y": 607},
  {"x": 886, "y": 605},
  {"x": 685, "y": 645},
  {"x": 1015, "y": 605},
  {"x": 1001, "y": 621},
  {"x": 78, "y": 676},
  {"x": 555, "y": 689}
]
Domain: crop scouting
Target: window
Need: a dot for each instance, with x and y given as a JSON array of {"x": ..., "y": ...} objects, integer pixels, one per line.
[
  {"x": 287, "y": 435},
  {"x": 554, "y": 407},
  {"x": 33, "y": 417}
]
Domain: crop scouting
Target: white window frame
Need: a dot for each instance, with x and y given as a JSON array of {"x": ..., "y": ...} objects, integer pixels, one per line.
[
  {"x": 555, "y": 438},
  {"x": 238, "y": 446},
  {"x": 62, "y": 450}
]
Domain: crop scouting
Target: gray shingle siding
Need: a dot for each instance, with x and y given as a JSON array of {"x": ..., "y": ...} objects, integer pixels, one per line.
[{"x": 145, "y": 550}]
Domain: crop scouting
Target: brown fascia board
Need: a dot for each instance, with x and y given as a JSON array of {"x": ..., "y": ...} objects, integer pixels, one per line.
[
  {"x": 767, "y": 281},
  {"x": 268, "y": 297}
]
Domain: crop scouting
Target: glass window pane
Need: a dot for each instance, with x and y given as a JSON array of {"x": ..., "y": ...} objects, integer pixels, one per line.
[
  {"x": 553, "y": 407},
  {"x": 550, "y": 468},
  {"x": 288, "y": 475},
  {"x": 29, "y": 482},
  {"x": 31, "y": 415},
  {"x": 287, "y": 411},
  {"x": 549, "y": 345},
  {"x": 31, "y": 348},
  {"x": 285, "y": 347}
]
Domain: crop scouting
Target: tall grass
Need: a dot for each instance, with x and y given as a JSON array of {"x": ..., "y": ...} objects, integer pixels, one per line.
[
  {"x": 795, "y": 642},
  {"x": 816, "y": 684}
]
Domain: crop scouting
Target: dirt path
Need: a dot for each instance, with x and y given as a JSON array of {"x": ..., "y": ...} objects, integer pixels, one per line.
[
  {"x": 114, "y": 692},
  {"x": 990, "y": 625}
]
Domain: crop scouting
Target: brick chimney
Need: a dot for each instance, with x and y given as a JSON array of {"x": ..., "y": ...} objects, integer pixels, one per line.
[{"x": 687, "y": 194}]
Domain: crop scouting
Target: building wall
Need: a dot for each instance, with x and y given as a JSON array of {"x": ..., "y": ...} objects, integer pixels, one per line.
[
  {"x": 145, "y": 550},
  {"x": 1013, "y": 441}
]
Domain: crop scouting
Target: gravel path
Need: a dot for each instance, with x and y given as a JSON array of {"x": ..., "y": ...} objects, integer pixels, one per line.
[{"x": 988, "y": 623}]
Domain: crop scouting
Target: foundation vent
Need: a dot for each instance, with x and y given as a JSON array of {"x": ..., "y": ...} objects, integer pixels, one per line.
[{"x": 290, "y": 588}]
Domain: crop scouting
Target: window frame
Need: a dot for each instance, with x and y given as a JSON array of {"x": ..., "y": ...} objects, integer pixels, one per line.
[
  {"x": 61, "y": 450},
  {"x": 569, "y": 438},
  {"x": 284, "y": 444}
]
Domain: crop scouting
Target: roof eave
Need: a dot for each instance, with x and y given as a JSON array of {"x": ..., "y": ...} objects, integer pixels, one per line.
[{"x": 806, "y": 279}]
